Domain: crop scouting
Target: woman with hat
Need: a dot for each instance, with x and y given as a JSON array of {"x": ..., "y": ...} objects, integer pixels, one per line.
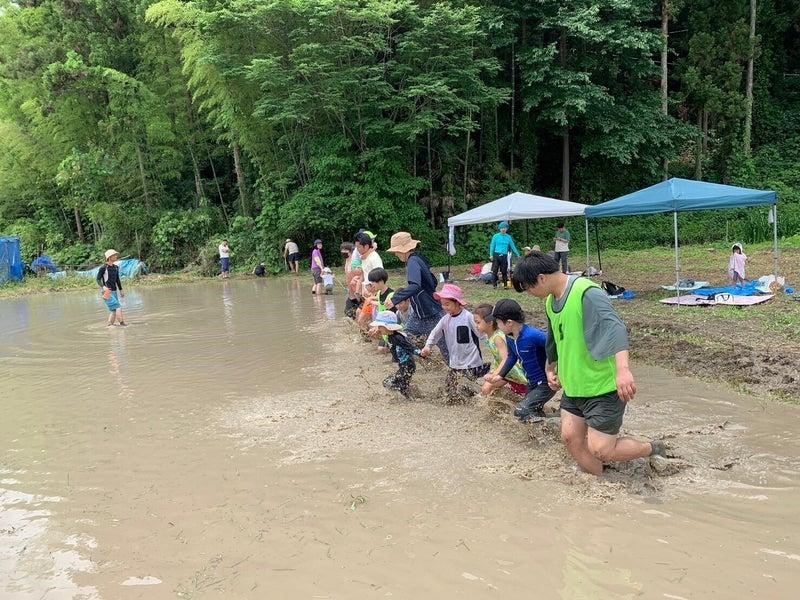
[
  {"x": 425, "y": 309},
  {"x": 317, "y": 264},
  {"x": 502, "y": 243},
  {"x": 108, "y": 279}
]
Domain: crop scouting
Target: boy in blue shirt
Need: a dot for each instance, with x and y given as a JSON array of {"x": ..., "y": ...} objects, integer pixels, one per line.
[{"x": 502, "y": 243}]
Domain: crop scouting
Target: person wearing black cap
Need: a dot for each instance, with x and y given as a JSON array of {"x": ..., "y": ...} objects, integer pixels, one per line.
[{"x": 317, "y": 264}]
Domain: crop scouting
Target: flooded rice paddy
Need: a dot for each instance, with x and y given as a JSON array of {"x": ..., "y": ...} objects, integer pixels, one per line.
[{"x": 235, "y": 442}]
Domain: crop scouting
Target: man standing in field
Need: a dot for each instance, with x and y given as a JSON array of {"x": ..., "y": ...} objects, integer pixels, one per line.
[
  {"x": 224, "y": 259},
  {"x": 587, "y": 356},
  {"x": 562, "y": 240},
  {"x": 291, "y": 254}
]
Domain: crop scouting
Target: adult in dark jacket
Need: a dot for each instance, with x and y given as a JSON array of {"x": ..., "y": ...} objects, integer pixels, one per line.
[{"x": 425, "y": 310}]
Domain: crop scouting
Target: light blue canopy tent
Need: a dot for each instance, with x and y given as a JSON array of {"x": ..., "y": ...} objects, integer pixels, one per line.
[
  {"x": 684, "y": 195},
  {"x": 515, "y": 207}
]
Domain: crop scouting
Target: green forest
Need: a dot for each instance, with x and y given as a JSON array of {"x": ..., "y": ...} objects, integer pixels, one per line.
[{"x": 160, "y": 127}]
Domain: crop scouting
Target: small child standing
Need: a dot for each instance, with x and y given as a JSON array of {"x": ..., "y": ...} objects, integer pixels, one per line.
[
  {"x": 527, "y": 345},
  {"x": 108, "y": 279},
  {"x": 498, "y": 348},
  {"x": 327, "y": 280},
  {"x": 403, "y": 352},
  {"x": 736, "y": 265},
  {"x": 462, "y": 338}
]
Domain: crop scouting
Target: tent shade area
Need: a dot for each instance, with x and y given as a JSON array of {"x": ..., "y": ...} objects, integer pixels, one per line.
[
  {"x": 517, "y": 207},
  {"x": 685, "y": 195}
]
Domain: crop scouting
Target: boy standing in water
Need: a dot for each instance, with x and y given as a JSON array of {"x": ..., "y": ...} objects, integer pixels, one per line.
[
  {"x": 108, "y": 279},
  {"x": 587, "y": 356}
]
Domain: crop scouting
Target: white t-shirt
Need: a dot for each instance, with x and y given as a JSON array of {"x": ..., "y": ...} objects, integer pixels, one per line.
[
  {"x": 327, "y": 278},
  {"x": 224, "y": 251},
  {"x": 291, "y": 248},
  {"x": 462, "y": 338},
  {"x": 370, "y": 262},
  {"x": 562, "y": 245},
  {"x": 487, "y": 268}
]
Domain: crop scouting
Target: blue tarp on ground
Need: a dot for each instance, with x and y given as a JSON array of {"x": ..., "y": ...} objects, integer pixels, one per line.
[
  {"x": 44, "y": 263},
  {"x": 128, "y": 267},
  {"x": 748, "y": 289},
  {"x": 10, "y": 259},
  {"x": 681, "y": 195}
]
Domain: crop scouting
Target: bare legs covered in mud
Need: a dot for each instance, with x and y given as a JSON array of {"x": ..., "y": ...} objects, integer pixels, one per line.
[{"x": 591, "y": 448}]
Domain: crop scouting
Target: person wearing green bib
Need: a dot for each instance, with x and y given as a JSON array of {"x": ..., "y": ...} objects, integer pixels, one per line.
[{"x": 587, "y": 357}]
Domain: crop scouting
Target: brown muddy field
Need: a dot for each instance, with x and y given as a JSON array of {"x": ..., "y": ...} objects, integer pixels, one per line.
[{"x": 235, "y": 442}]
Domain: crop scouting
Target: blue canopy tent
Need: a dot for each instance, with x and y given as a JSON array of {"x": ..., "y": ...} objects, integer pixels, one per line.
[{"x": 685, "y": 195}]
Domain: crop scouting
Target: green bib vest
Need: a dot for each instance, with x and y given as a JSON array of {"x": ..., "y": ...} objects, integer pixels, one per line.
[{"x": 581, "y": 375}]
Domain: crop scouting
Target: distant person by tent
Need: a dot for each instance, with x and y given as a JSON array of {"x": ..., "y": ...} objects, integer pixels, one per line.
[
  {"x": 562, "y": 240},
  {"x": 224, "y": 259},
  {"x": 502, "y": 243},
  {"x": 260, "y": 270},
  {"x": 291, "y": 254},
  {"x": 111, "y": 285},
  {"x": 736, "y": 264}
]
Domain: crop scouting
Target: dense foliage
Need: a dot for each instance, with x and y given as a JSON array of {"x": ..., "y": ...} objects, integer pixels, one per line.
[{"x": 160, "y": 127}]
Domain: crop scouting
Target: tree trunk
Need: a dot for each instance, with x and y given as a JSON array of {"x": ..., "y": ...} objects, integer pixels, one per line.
[
  {"x": 237, "y": 165},
  {"x": 565, "y": 166},
  {"x": 748, "y": 117},
  {"x": 665, "y": 70},
  {"x": 513, "y": 102},
  {"x": 565, "y": 136},
  {"x": 219, "y": 191},
  {"x": 698, "y": 154},
  {"x": 430, "y": 183},
  {"x": 466, "y": 161},
  {"x": 496, "y": 137},
  {"x": 198, "y": 182},
  {"x": 79, "y": 225},
  {"x": 143, "y": 175}
]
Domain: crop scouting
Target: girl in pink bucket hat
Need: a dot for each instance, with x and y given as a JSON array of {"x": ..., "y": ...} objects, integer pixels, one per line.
[{"x": 457, "y": 328}]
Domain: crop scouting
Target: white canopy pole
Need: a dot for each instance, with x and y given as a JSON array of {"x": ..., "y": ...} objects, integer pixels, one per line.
[
  {"x": 586, "y": 221},
  {"x": 677, "y": 259},
  {"x": 775, "y": 240}
]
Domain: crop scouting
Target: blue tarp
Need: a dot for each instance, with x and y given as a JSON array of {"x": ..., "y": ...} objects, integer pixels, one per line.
[
  {"x": 44, "y": 263},
  {"x": 681, "y": 195},
  {"x": 128, "y": 267},
  {"x": 10, "y": 259},
  {"x": 748, "y": 289}
]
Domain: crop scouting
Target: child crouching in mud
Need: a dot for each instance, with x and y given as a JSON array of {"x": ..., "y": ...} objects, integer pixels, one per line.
[
  {"x": 403, "y": 352},
  {"x": 109, "y": 281},
  {"x": 498, "y": 348},
  {"x": 462, "y": 339}
]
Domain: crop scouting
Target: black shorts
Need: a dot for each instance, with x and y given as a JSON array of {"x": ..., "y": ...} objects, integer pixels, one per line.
[
  {"x": 317, "y": 276},
  {"x": 294, "y": 257},
  {"x": 603, "y": 413}
]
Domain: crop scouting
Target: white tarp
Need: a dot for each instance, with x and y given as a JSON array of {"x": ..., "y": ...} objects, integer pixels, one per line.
[
  {"x": 518, "y": 206},
  {"x": 514, "y": 207}
]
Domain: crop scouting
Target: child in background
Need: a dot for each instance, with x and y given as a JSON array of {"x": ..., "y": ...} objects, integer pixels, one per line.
[
  {"x": 462, "y": 338},
  {"x": 111, "y": 284},
  {"x": 327, "y": 280},
  {"x": 496, "y": 341},
  {"x": 736, "y": 265},
  {"x": 403, "y": 352},
  {"x": 526, "y": 344}
]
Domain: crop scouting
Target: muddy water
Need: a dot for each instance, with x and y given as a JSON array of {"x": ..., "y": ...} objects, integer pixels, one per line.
[{"x": 235, "y": 442}]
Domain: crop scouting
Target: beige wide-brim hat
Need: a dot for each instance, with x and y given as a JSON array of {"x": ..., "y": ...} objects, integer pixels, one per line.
[
  {"x": 403, "y": 242},
  {"x": 110, "y": 252}
]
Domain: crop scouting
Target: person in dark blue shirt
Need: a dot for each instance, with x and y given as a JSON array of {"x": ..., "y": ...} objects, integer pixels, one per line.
[{"x": 527, "y": 345}]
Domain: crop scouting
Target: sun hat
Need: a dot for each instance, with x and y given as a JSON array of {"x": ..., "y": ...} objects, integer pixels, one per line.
[
  {"x": 288, "y": 240},
  {"x": 110, "y": 252},
  {"x": 450, "y": 291},
  {"x": 326, "y": 270},
  {"x": 403, "y": 242},
  {"x": 503, "y": 225},
  {"x": 370, "y": 234},
  {"x": 388, "y": 319},
  {"x": 317, "y": 241}
]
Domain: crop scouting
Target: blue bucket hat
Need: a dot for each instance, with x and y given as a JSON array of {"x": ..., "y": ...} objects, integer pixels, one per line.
[
  {"x": 503, "y": 225},
  {"x": 388, "y": 319}
]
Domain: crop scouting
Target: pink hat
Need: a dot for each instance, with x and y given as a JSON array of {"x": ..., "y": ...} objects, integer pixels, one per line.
[{"x": 451, "y": 291}]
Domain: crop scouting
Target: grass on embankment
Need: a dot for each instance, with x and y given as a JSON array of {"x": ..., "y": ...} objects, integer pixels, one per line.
[{"x": 44, "y": 285}]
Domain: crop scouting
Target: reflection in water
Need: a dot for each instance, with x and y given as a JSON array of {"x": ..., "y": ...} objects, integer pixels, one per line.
[
  {"x": 227, "y": 308},
  {"x": 118, "y": 363},
  {"x": 330, "y": 308}
]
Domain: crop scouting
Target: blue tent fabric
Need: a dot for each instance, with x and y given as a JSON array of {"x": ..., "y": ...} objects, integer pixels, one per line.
[
  {"x": 10, "y": 260},
  {"x": 682, "y": 195},
  {"x": 44, "y": 263},
  {"x": 128, "y": 267},
  {"x": 748, "y": 289}
]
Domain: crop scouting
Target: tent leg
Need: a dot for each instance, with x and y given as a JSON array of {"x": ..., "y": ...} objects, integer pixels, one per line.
[
  {"x": 677, "y": 259},
  {"x": 775, "y": 240},
  {"x": 597, "y": 243},
  {"x": 586, "y": 221}
]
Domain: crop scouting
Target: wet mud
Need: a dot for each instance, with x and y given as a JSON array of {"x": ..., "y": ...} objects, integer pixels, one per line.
[{"x": 235, "y": 441}]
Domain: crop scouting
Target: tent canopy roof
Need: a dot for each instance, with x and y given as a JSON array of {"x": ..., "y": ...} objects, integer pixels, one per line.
[
  {"x": 518, "y": 206},
  {"x": 681, "y": 195}
]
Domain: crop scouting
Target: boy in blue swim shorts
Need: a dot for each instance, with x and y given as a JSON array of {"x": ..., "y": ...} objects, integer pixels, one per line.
[{"x": 108, "y": 279}]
